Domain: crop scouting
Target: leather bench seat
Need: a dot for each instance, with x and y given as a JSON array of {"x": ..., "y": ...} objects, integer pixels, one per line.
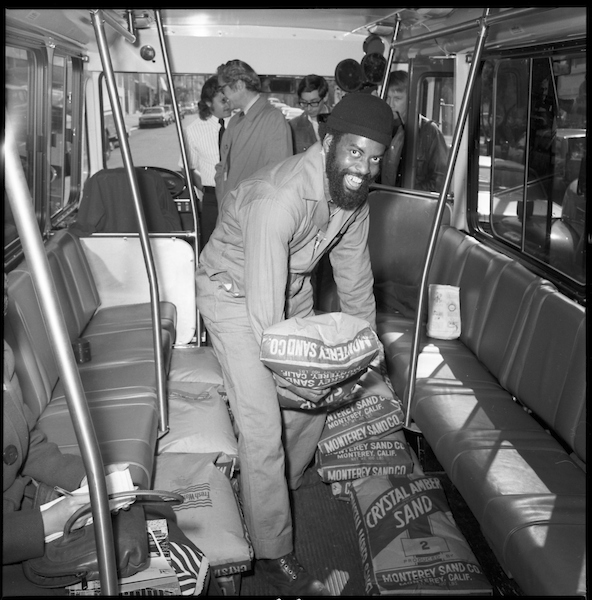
[
  {"x": 131, "y": 316},
  {"x": 125, "y": 422},
  {"x": 117, "y": 356},
  {"x": 503, "y": 407},
  {"x": 78, "y": 291},
  {"x": 119, "y": 381},
  {"x": 538, "y": 523}
]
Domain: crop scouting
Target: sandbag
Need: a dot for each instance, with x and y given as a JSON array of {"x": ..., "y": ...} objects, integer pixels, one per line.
[
  {"x": 375, "y": 412},
  {"x": 383, "y": 456},
  {"x": 210, "y": 516},
  {"x": 347, "y": 391},
  {"x": 319, "y": 352},
  {"x": 409, "y": 542}
]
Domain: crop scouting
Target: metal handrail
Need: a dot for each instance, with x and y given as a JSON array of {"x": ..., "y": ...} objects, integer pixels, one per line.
[
  {"x": 467, "y": 25},
  {"x": 97, "y": 16},
  {"x": 110, "y": 19},
  {"x": 390, "y": 59},
  {"x": 24, "y": 215},
  {"x": 188, "y": 178},
  {"x": 456, "y": 140}
]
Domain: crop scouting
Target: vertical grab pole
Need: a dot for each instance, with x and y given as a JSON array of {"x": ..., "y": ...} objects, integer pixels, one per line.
[
  {"x": 26, "y": 221},
  {"x": 97, "y": 20},
  {"x": 458, "y": 131},
  {"x": 192, "y": 198},
  {"x": 390, "y": 59}
]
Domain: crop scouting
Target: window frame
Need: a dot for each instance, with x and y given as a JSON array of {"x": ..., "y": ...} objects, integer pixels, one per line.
[{"x": 566, "y": 282}]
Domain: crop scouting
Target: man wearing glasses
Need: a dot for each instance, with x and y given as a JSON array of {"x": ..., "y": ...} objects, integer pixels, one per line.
[{"x": 312, "y": 93}]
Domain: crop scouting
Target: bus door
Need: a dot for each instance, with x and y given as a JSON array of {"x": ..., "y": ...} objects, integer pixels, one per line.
[
  {"x": 116, "y": 257},
  {"x": 431, "y": 97}
]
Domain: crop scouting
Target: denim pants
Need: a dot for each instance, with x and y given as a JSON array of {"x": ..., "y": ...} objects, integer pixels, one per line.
[{"x": 275, "y": 446}]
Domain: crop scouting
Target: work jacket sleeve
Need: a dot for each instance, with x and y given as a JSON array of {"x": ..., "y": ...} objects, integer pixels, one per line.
[
  {"x": 352, "y": 272},
  {"x": 267, "y": 230}
]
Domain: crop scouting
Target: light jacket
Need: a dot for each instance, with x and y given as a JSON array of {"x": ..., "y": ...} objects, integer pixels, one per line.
[{"x": 271, "y": 233}]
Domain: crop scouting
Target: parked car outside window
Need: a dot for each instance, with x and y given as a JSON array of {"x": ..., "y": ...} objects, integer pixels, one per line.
[{"x": 155, "y": 116}]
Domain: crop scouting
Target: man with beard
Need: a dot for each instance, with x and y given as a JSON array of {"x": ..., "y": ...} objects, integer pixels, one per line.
[{"x": 255, "y": 272}]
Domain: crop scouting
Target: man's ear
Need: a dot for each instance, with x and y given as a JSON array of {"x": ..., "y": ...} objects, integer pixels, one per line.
[{"x": 327, "y": 142}]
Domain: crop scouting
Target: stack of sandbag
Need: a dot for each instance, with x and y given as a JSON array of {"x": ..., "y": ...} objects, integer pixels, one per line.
[
  {"x": 364, "y": 437},
  {"x": 341, "y": 353},
  {"x": 409, "y": 542}
]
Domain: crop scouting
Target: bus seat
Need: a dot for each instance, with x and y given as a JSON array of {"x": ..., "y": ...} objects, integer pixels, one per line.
[
  {"x": 107, "y": 206},
  {"x": 400, "y": 225}
]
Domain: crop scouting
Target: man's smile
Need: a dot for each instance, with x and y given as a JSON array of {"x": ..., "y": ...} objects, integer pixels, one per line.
[{"x": 353, "y": 182}]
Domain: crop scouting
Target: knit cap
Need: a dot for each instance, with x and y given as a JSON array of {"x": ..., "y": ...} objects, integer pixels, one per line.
[{"x": 365, "y": 115}]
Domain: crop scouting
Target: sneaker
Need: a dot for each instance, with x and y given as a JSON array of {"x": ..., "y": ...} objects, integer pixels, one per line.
[{"x": 289, "y": 578}]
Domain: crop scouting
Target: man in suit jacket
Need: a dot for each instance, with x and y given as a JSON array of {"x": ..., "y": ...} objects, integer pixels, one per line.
[{"x": 257, "y": 136}]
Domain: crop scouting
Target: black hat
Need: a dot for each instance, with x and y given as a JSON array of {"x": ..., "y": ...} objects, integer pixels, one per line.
[{"x": 365, "y": 115}]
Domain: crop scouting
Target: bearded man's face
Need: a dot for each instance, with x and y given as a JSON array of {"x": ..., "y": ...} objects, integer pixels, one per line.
[{"x": 353, "y": 163}]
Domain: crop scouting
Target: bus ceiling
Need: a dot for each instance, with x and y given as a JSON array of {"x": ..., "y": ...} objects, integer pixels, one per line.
[{"x": 423, "y": 31}]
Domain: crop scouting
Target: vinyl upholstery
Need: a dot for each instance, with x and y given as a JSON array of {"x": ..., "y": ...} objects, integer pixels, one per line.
[
  {"x": 119, "y": 380},
  {"x": 504, "y": 406}
]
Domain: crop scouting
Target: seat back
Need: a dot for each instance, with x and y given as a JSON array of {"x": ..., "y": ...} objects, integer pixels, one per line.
[
  {"x": 107, "y": 204},
  {"x": 400, "y": 227}
]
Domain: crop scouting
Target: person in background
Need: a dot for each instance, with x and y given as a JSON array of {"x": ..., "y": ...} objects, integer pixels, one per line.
[
  {"x": 431, "y": 151},
  {"x": 203, "y": 142},
  {"x": 312, "y": 96},
  {"x": 257, "y": 136},
  {"x": 272, "y": 231}
]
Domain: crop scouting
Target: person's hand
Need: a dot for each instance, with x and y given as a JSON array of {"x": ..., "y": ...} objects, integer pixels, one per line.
[
  {"x": 297, "y": 392},
  {"x": 55, "y": 517}
]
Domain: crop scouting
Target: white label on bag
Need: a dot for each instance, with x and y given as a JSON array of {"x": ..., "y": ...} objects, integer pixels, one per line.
[{"x": 444, "y": 312}]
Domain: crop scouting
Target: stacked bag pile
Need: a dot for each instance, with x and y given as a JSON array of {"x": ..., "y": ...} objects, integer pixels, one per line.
[
  {"x": 338, "y": 352},
  {"x": 408, "y": 540}
]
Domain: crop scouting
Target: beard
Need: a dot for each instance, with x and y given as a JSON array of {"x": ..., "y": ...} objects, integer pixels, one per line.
[{"x": 340, "y": 195}]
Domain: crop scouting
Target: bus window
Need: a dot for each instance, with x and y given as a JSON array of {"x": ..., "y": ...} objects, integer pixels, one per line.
[
  {"x": 19, "y": 71},
  {"x": 532, "y": 144},
  {"x": 61, "y": 132},
  {"x": 423, "y": 144},
  {"x": 148, "y": 113},
  {"x": 436, "y": 126}
]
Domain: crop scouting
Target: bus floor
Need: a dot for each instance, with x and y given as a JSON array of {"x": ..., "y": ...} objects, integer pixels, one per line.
[{"x": 326, "y": 543}]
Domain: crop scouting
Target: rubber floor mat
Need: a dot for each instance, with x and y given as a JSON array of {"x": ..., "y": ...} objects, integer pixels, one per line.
[{"x": 325, "y": 542}]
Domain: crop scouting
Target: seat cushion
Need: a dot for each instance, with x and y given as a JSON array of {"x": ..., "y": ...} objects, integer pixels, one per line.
[{"x": 125, "y": 422}]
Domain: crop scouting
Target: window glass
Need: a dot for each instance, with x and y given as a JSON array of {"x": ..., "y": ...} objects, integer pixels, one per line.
[
  {"x": 154, "y": 141},
  {"x": 532, "y": 147},
  {"x": 435, "y": 130},
  {"x": 19, "y": 68},
  {"x": 61, "y": 133}
]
